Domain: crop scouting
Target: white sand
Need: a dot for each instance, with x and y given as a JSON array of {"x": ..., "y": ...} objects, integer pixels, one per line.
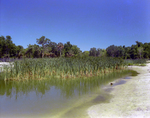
[
  {"x": 2, "y": 64},
  {"x": 130, "y": 100}
]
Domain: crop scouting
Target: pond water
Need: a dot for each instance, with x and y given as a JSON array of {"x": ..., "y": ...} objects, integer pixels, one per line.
[{"x": 55, "y": 98}]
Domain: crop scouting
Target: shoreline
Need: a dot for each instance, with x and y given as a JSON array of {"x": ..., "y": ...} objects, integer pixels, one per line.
[{"x": 129, "y": 100}]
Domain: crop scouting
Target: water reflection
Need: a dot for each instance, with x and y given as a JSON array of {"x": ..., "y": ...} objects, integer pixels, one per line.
[
  {"x": 68, "y": 88},
  {"x": 20, "y": 88},
  {"x": 53, "y": 97}
]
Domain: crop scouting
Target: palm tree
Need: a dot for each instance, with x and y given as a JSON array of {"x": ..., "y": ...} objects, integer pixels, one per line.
[{"x": 43, "y": 41}]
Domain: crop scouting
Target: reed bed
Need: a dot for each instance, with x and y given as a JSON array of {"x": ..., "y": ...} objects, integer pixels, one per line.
[
  {"x": 63, "y": 68},
  {"x": 137, "y": 62}
]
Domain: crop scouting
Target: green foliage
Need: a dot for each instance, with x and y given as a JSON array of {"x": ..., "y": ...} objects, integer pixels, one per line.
[
  {"x": 43, "y": 41},
  {"x": 33, "y": 51},
  {"x": 137, "y": 51},
  {"x": 67, "y": 48},
  {"x": 60, "y": 46},
  {"x": 85, "y": 54},
  {"x": 51, "y": 49},
  {"x": 8, "y": 48},
  {"x": 53, "y": 46},
  {"x": 115, "y": 51},
  {"x": 75, "y": 50},
  {"x": 97, "y": 52},
  {"x": 146, "y": 50},
  {"x": 140, "y": 51}
]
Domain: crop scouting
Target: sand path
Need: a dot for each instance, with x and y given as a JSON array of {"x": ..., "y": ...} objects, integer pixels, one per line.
[{"x": 130, "y": 100}]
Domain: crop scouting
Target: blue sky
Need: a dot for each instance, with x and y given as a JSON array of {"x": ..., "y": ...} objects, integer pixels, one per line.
[{"x": 85, "y": 23}]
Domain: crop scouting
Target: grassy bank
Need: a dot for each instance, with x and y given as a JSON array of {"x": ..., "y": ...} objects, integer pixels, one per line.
[
  {"x": 64, "y": 68},
  {"x": 61, "y": 68},
  {"x": 136, "y": 62}
]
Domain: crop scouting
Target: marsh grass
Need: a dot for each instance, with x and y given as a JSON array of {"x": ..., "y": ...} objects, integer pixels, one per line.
[
  {"x": 64, "y": 68},
  {"x": 136, "y": 62}
]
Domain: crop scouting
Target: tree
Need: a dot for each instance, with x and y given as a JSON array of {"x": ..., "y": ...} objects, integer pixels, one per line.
[
  {"x": 85, "y": 53},
  {"x": 146, "y": 50},
  {"x": 29, "y": 51},
  {"x": 19, "y": 51},
  {"x": 43, "y": 41},
  {"x": 99, "y": 52},
  {"x": 93, "y": 52},
  {"x": 140, "y": 51},
  {"x": 60, "y": 46},
  {"x": 76, "y": 51},
  {"x": 139, "y": 44},
  {"x": 67, "y": 48},
  {"x": 111, "y": 51},
  {"x": 33, "y": 51},
  {"x": 2, "y": 46},
  {"x": 115, "y": 51},
  {"x": 104, "y": 53},
  {"x": 8, "y": 45},
  {"x": 53, "y": 47},
  {"x": 133, "y": 52},
  {"x": 120, "y": 52},
  {"x": 126, "y": 52}
]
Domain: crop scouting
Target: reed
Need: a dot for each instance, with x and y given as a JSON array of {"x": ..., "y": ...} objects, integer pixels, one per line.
[
  {"x": 63, "y": 68},
  {"x": 130, "y": 62}
]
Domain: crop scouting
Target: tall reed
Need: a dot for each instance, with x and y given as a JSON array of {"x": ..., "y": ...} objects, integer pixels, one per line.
[
  {"x": 134, "y": 62},
  {"x": 61, "y": 68}
]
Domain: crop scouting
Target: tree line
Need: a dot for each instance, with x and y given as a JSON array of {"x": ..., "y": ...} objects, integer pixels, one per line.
[{"x": 46, "y": 48}]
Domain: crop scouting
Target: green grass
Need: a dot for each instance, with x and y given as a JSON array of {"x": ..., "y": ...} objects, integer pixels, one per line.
[
  {"x": 136, "y": 62},
  {"x": 141, "y": 64},
  {"x": 63, "y": 68}
]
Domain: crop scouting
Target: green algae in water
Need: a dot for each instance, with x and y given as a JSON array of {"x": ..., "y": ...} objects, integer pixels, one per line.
[{"x": 133, "y": 73}]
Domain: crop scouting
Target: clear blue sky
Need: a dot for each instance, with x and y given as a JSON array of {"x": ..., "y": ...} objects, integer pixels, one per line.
[{"x": 85, "y": 23}]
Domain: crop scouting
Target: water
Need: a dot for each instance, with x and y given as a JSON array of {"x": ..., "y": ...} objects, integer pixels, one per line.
[{"x": 55, "y": 98}]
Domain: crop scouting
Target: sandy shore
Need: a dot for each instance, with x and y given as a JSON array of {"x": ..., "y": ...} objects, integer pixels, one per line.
[
  {"x": 2, "y": 64},
  {"x": 130, "y": 100}
]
